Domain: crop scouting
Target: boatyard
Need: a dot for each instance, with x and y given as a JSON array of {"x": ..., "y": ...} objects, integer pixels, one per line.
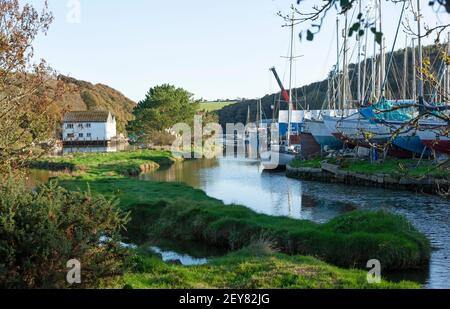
[{"x": 257, "y": 145}]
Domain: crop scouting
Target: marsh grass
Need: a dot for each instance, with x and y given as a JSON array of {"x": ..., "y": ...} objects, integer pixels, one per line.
[
  {"x": 177, "y": 211},
  {"x": 253, "y": 267}
]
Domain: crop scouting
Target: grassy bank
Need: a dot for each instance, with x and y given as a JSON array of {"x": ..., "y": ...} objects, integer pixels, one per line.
[
  {"x": 97, "y": 165},
  {"x": 254, "y": 267},
  {"x": 177, "y": 211},
  {"x": 393, "y": 167}
]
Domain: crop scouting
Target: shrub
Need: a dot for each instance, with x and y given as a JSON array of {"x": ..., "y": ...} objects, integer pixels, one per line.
[{"x": 41, "y": 230}]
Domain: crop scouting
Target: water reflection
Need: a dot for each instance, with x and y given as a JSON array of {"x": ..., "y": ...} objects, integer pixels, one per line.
[
  {"x": 96, "y": 149},
  {"x": 243, "y": 182}
]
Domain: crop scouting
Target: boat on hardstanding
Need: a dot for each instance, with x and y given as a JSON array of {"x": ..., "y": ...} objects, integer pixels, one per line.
[
  {"x": 281, "y": 153},
  {"x": 435, "y": 136}
]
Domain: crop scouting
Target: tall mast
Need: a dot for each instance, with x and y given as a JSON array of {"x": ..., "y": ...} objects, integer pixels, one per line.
[
  {"x": 374, "y": 69},
  {"x": 338, "y": 68},
  {"x": 414, "y": 79},
  {"x": 405, "y": 70},
  {"x": 419, "y": 31},
  {"x": 359, "y": 59},
  {"x": 382, "y": 59},
  {"x": 291, "y": 61},
  {"x": 364, "y": 79},
  {"x": 447, "y": 80},
  {"x": 344, "y": 88}
]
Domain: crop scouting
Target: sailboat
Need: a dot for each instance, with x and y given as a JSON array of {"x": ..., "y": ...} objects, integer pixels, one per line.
[{"x": 282, "y": 153}]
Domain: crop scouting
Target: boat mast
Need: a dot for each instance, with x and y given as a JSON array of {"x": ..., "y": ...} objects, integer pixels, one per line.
[
  {"x": 382, "y": 56},
  {"x": 419, "y": 30},
  {"x": 364, "y": 79},
  {"x": 344, "y": 88},
  {"x": 447, "y": 80},
  {"x": 338, "y": 68},
  {"x": 405, "y": 70},
  {"x": 414, "y": 81},
  {"x": 291, "y": 61},
  {"x": 359, "y": 59},
  {"x": 374, "y": 90}
]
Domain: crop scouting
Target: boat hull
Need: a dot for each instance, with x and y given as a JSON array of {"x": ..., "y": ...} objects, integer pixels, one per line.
[
  {"x": 272, "y": 160},
  {"x": 436, "y": 141},
  {"x": 413, "y": 144},
  {"x": 323, "y": 136}
]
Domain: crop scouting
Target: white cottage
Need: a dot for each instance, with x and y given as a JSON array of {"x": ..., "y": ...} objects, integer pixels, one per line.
[{"x": 89, "y": 127}]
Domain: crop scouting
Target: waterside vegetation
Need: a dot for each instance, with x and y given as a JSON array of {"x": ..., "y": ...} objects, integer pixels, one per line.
[
  {"x": 177, "y": 211},
  {"x": 412, "y": 175},
  {"x": 256, "y": 266}
]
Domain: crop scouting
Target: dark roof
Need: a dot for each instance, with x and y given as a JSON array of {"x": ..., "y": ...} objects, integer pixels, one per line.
[{"x": 87, "y": 116}]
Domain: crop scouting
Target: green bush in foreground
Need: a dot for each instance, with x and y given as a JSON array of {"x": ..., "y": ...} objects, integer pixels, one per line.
[
  {"x": 254, "y": 267},
  {"x": 40, "y": 231}
]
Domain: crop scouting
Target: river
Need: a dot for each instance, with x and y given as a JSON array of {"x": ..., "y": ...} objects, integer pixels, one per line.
[{"x": 242, "y": 181}]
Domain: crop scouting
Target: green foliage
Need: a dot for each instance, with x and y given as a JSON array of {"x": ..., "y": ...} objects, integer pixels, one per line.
[
  {"x": 254, "y": 267},
  {"x": 180, "y": 212},
  {"x": 393, "y": 167},
  {"x": 42, "y": 230},
  {"x": 163, "y": 107}
]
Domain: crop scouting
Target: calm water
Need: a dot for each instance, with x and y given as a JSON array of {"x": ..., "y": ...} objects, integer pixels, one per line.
[{"x": 243, "y": 182}]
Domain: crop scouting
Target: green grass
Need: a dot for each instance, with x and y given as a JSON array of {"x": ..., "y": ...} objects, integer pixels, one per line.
[
  {"x": 254, "y": 267},
  {"x": 394, "y": 167},
  {"x": 399, "y": 167},
  {"x": 161, "y": 210},
  {"x": 214, "y": 106},
  {"x": 177, "y": 211},
  {"x": 108, "y": 164},
  {"x": 312, "y": 163}
]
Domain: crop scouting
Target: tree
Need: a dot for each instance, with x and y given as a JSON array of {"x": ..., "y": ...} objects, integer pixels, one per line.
[
  {"x": 27, "y": 89},
  {"x": 163, "y": 107}
]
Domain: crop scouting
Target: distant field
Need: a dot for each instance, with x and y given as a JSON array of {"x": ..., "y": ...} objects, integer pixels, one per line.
[{"x": 214, "y": 106}]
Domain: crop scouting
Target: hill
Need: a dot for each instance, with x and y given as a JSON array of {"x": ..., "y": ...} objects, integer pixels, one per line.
[
  {"x": 313, "y": 96},
  {"x": 82, "y": 96},
  {"x": 215, "y": 106}
]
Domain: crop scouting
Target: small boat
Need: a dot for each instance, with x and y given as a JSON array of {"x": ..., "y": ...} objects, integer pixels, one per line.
[{"x": 279, "y": 156}]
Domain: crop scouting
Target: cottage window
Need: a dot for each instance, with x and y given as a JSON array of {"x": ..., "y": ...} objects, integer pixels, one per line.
[
  {"x": 80, "y": 135},
  {"x": 89, "y": 135},
  {"x": 88, "y": 125},
  {"x": 80, "y": 125},
  {"x": 69, "y": 126},
  {"x": 71, "y": 135}
]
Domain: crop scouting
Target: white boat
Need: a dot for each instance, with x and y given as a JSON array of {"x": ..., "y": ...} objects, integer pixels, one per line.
[{"x": 279, "y": 156}]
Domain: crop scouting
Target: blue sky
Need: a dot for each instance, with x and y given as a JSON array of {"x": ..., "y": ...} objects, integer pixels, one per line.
[{"x": 214, "y": 49}]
